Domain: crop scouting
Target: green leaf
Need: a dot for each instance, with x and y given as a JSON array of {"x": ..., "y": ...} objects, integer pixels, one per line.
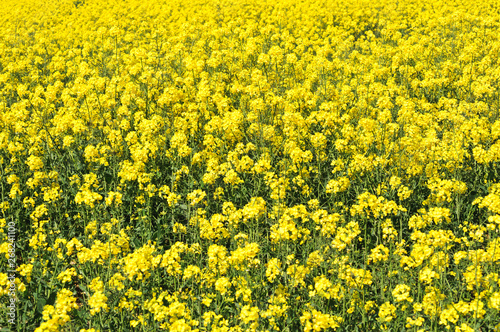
[{"x": 40, "y": 303}]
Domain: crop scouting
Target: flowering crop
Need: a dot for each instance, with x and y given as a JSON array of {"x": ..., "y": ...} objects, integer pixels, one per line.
[{"x": 251, "y": 165}]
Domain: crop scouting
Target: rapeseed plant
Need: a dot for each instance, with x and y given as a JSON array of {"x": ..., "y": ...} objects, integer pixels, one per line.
[{"x": 250, "y": 166}]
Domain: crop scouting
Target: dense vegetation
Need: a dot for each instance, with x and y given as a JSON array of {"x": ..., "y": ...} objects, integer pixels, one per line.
[{"x": 250, "y": 165}]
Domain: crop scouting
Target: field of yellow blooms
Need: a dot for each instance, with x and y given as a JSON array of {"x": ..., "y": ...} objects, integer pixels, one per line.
[{"x": 250, "y": 165}]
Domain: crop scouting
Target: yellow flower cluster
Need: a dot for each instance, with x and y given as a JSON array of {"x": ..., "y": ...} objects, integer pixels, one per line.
[{"x": 250, "y": 165}]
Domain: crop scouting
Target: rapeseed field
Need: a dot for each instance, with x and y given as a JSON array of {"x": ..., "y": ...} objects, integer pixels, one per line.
[{"x": 250, "y": 165}]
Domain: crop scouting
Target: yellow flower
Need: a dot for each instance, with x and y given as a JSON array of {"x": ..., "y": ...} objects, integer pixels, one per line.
[
  {"x": 254, "y": 209},
  {"x": 97, "y": 302},
  {"x": 387, "y": 312},
  {"x": 116, "y": 281},
  {"x": 222, "y": 284},
  {"x": 191, "y": 271},
  {"x": 66, "y": 275},
  {"x": 337, "y": 186},
  {"x": 26, "y": 271},
  {"x": 494, "y": 301},
  {"x": 402, "y": 293},
  {"x": 273, "y": 269},
  {"x": 317, "y": 321},
  {"x": 196, "y": 197},
  {"x": 379, "y": 254},
  {"x": 34, "y": 163},
  {"x": 448, "y": 315},
  {"x": 114, "y": 198},
  {"x": 464, "y": 328},
  {"x": 414, "y": 322},
  {"x": 206, "y": 301},
  {"x": 58, "y": 315},
  {"x": 250, "y": 315}
]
